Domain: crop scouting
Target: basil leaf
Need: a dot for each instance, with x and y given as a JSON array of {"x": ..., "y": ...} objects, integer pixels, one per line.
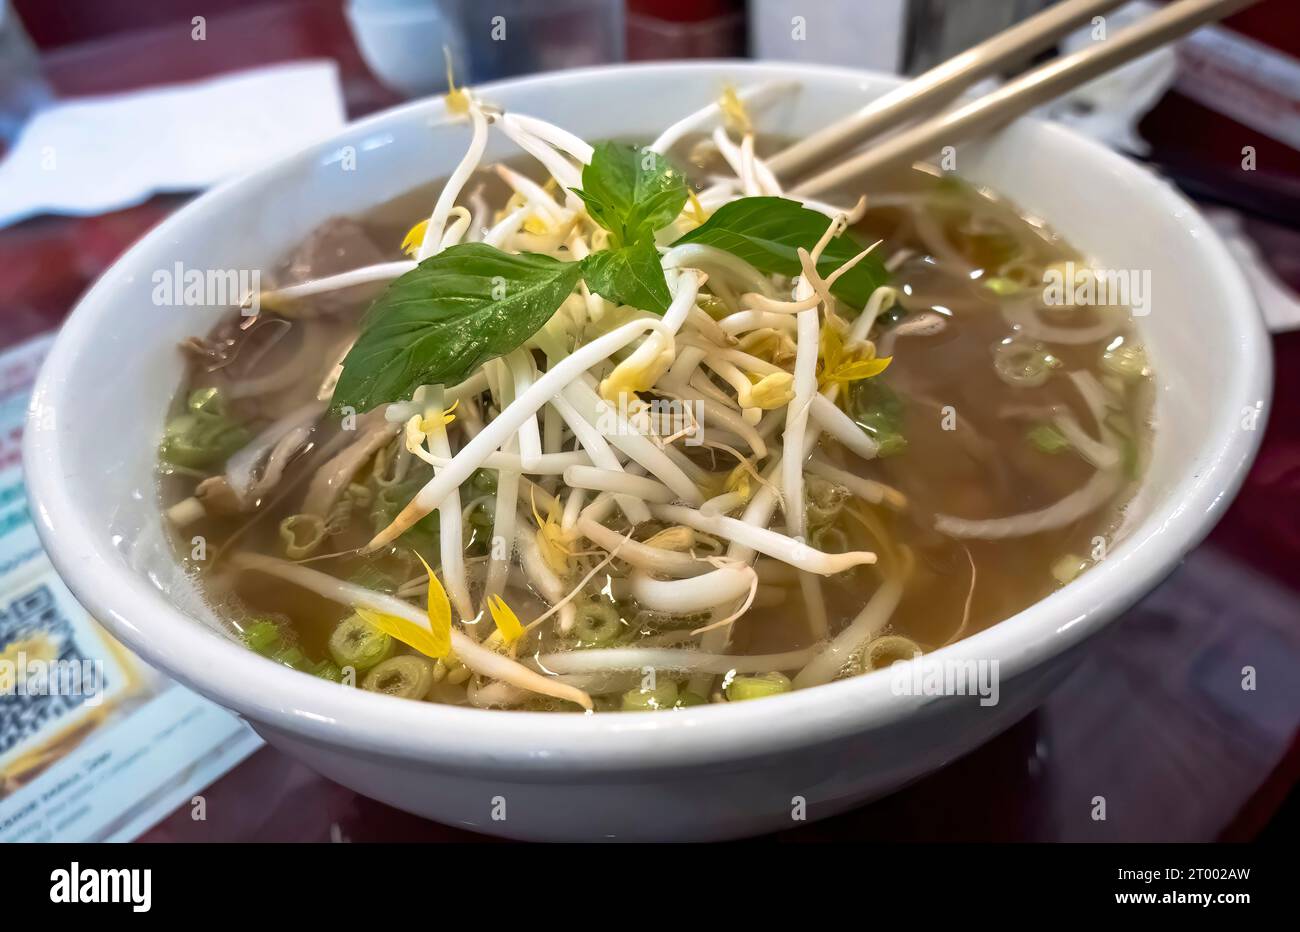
[
  {"x": 766, "y": 231},
  {"x": 604, "y": 214},
  {"x": 629, "y": 275},
  {"x": 630, "y": 191},
  {"x": 442, "y": 320}
]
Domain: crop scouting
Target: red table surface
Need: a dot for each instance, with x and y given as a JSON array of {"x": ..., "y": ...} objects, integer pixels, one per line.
[{"x": 1154, "y": 719}]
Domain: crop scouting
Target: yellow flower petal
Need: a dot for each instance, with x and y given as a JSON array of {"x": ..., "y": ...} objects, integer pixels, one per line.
[
  {"x": 832, "y": 347},
  {"x": 696, "y": 212},
  {"x": 836, "y": 366},
  {"x": 553, "y": 511},
  {"x": 438, "y": 610},
  {"x": 408, "y": 632},
  {"x": 552, "y": 540},
  {"x": 507, "y": 621},
  {"x": 414, "y": 237},
  {"x": 429, "y": 423},
  {"x": 550, "y": 543},
  {"x": 861, "y": 369},
  {"x": 537, "y": 516}
]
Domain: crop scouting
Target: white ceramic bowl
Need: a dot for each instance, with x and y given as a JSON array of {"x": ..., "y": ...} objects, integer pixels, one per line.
[{"x": 709, "y": 772}]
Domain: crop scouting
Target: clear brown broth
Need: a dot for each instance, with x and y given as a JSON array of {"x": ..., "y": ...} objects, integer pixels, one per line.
[{"x": 983, "y": 468}]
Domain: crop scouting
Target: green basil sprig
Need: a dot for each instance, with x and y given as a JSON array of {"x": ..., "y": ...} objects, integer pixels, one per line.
[
  {"x": 628, "y": 275},
  {"x": 631, "y": 192},
  {"x": 767, "y": 231},
  {"x": 470, "y": 303},
  {"x": 442, "y": 320}
]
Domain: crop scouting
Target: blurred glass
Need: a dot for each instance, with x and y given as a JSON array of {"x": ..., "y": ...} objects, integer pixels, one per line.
[
  {"x": 22, "y": 88},
  {"x": 509, "y": 37},
  {"x": 402, "y": 40},
  {"x": 939, "y": 29}
]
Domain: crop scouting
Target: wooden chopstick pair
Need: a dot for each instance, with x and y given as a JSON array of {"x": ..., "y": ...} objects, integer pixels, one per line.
[{"x": 942, "y": 84}]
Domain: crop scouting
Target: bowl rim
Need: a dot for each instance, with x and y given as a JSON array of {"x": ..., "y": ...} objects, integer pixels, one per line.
[{"x": 551, "y": 745}]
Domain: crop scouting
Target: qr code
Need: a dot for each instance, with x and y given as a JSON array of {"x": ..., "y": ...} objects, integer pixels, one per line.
[{"x": 34, "y": 620}]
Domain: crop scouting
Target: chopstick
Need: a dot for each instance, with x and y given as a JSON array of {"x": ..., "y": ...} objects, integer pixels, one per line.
[
  {"x": 1024, "y": 93},
  {"x": 940, "y": 85}
]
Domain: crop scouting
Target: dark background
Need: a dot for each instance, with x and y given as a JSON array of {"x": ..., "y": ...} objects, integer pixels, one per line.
[{"x": 1148, "y": 721}]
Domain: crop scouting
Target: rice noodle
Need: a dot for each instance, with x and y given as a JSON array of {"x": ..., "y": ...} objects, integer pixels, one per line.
[
  {"x": 828, "y": 662},
  {"x": 1087, "y": 498},
  {"x": 1025, "y": 318},
  {"x": 1095, "y": 452}
]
